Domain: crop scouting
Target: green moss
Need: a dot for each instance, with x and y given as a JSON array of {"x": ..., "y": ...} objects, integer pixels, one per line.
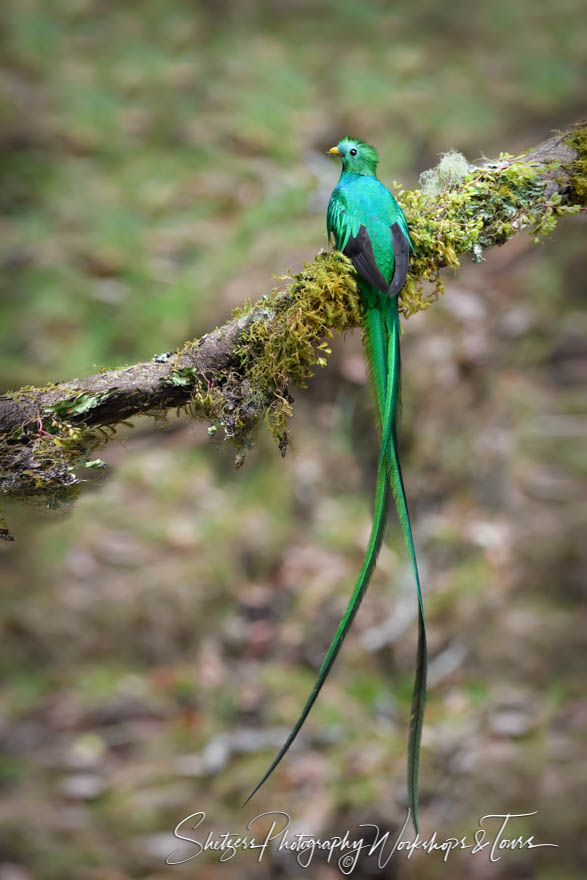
[
  {"x": 285, "y": 338},
  {"x": 40, "y": 457},
  {"x": 578, "y": 141},
  {"x": 33, "y": 390},
  {"x": 485, "y": 207}
]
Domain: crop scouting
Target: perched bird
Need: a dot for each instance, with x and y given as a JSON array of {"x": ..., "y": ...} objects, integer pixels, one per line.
[{"x": 370, "y": 228}]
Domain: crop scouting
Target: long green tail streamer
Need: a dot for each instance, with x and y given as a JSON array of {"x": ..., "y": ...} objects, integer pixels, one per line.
[{"x": 381, "y": 338}]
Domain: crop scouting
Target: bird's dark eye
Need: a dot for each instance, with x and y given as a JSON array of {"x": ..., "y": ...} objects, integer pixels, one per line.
[{"x": 353, "y": 152}]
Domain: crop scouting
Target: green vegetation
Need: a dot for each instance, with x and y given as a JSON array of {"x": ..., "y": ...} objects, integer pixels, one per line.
[{"x": 578, "y": 140}]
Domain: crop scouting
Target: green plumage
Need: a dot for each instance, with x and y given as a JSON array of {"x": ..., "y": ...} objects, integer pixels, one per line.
[{"x": 369, "y": 226}]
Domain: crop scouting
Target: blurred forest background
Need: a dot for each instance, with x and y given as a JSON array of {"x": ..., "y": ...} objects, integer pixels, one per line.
[{"x": 160, "y": 162}]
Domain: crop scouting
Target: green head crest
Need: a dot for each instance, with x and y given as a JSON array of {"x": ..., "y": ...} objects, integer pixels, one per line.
[{"x": 357, "y": 156}]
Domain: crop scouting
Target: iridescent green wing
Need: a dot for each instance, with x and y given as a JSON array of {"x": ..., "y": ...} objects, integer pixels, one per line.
[
  {"x": 365, "y": 238},
  {"x": 339, "y": 222}
]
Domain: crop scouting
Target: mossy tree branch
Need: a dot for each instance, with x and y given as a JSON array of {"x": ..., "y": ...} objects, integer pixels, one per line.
[{"x": 240, "y": 374}]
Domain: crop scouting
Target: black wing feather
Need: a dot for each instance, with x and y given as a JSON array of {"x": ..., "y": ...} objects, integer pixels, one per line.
[
  {"x": 359, "y": 250},
  {"x": 401, "y": 255}
]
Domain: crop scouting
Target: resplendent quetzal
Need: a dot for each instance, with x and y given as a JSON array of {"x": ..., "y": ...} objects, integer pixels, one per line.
[{"x": 370, "y": 228}]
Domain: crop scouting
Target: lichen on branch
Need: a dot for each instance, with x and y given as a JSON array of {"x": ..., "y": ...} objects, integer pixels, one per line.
[
  {"x": 242, "y": 374},
  {"x": 462, "y": 209}
]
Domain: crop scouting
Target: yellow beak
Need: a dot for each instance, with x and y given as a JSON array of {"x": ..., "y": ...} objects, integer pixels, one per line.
[{"x": 335, "y": 151}]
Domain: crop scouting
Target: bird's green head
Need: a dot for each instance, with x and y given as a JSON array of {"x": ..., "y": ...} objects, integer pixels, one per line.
[{"x": 357, "y": 156}]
